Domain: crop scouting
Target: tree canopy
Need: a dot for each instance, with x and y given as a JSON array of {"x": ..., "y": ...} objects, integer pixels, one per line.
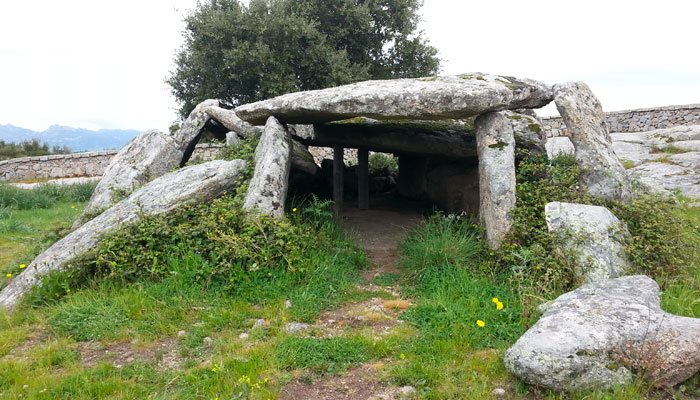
[{"x": 240, "y": 54}]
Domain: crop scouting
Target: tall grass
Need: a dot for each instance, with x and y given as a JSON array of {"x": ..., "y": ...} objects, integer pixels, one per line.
[{"x": 44, "y": 196}]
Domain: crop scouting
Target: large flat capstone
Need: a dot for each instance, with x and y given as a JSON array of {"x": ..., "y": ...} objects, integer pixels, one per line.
[
  {"x": 596, "y": 335},
  {"x": 200, "y": 183},
  {"x": 432, "y": 98}
]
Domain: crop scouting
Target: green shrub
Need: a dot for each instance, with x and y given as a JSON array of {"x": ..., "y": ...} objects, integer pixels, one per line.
[{"x": 379, "y": 161}]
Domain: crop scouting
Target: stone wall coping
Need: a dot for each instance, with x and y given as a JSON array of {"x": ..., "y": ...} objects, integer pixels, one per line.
[{"x": 665, "y": 108}]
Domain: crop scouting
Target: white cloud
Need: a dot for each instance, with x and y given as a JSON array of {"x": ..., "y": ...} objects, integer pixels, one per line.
[{"x": 98, "y": 63}]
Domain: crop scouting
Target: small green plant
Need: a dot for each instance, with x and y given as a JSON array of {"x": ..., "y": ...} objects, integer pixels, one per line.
[
  {"x": 671, "y": 149},
  {"x": 628, "y": 164},
  {"x": 379, "y": 161},
  {"x": 323, "y": 354}
]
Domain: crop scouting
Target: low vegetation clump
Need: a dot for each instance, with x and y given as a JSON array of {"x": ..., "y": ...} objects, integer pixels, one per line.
[
  {"x": 378, "y": 162},
  {"x": 45, "y": 196}
]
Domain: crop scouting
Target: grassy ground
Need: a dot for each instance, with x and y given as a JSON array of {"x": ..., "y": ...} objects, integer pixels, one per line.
[{"x": 182, "y": 336}]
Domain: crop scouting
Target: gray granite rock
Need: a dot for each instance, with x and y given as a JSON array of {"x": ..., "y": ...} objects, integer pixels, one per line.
[
  {"x": 146, "y": 157},
  {"x": 267, "y": 190},
  {"x": 596, "y": 335},
  {"x": 432, "y": 98},
  {"x": 496, "y": 149},
  {"x": 230, "y": 120},
  {"x": 666, "y": 179},
  {"x": 602, "y": 173},
  {"x": 558, "y": 145},
  {"x": 197, "y": 183},
  {"x": 527, "y": 131},
  {"x": 594, "y": 234},
  {"x": 193, "y": 125},
  {"x": 296, "y": 327}
]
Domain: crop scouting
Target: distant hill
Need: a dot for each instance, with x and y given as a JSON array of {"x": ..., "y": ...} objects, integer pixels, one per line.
[{"x": 77, "y": 139}]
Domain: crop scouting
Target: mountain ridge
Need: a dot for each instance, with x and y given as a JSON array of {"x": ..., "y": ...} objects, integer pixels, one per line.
[{"x": 77, "y": 139}]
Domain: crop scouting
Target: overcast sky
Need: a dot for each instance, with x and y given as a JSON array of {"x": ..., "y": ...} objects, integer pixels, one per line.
[{"x": 102, "y": 63}]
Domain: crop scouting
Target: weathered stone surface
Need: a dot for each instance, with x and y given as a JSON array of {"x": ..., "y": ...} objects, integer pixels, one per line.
[
  {"x": 595, "y": 234},
  {"x": 689, "y": 160},
  {"x": 200, "y": 183},
  {"x": 666, "y": 179},
  {"x": 597, "y": 334},
  {"x": 602, "y": 172},
  {"x": 192, "y": 127},
  {"x": 268, "y": 188},
  {"x": 302, "y": 160},
  {"x": 432, "y": 98},
  {"x": 559, "y": 145},
  {"x": 496, "y": 149},
  {"x": 230, "y": 120},
  {"x": 527, "y": 131},
  {"x": 146, "y": 157},
  {"x": 453, "y": 186}
]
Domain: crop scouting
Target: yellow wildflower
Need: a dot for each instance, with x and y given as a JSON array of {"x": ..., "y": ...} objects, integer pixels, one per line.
[
  {"x": 495, "y": 300},
  {"x": 499, "y": 306},
  {"x": 294, "y": 209},
  {"x": 402, "y": 356},
  {"x": 22, "y": 266},
  {"x": 480, "y": 323},
  {"x": 72, "y": 206},
  {"x": 9, "y": 275}
]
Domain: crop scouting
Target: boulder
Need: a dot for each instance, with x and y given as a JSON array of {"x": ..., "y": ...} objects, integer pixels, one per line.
[
  {"x": 666, "y": 179},
  {"x": 230, "y": 121},
  {"x": 302, "y": 160},
  {"x": 594, "y": 234},
  {"x": 145, "y": 158},
  {"x": 527, "y": 131},
  {"x": 556, "y": 146},
  {"x": 432, "y": 98},
  {"x": 200, "y": 183},
  {"x": 496, "y": 149},
  {"x": 267, "y": 190},
  {"x": 598, "y": 334},
  {"x": 602, "y": 173}
]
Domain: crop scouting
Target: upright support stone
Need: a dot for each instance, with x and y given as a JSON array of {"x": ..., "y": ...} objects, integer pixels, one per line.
[
  {"x": 412, "y": 175},
  {"x": 363, "y": 179},
  {"x": 267, "y": 190},
  {"x": 338, "y": 170},
  {"x": 496, "y": 149},
  {"x": 602, "y": 173}
]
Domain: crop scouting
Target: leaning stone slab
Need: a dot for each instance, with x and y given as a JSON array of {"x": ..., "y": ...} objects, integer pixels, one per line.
[
  {"x": 432, "y": 98},
  {"x": 267, "y": 190},
  {"x": 145, "y": 158},
  {"x": 559, "y": 145},
  {"x": 230, "y": 120},
  {"x": 496, "y": 149},
  {"x": 596, "y": 335},
  {"x": 594, "y": 234},
  {"x": 200, "y": 183},
  {"x": 602, "y": 173}
]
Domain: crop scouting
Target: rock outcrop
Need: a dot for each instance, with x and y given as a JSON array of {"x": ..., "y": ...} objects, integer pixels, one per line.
[
  {"x": 556, "y": 146},
  {"x": 527, "y": 131},
  {"x": 145, "y": 158},
  {"x": 200, "y": 183},
  {"x": 602, "y": 172},
  {"x": 432, "y": 98},
  {"x": 496, "y": 148},
  {"x": 267, "y": 190},
  {"x": 596, "y": 335},
  {"x": 594, "y": 234}
]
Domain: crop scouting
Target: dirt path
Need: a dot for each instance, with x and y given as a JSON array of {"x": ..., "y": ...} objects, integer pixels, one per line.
[{"x": 378, "y": 231}]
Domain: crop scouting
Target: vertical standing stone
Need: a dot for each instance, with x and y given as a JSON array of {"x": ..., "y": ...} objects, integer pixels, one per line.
[
  {"x": 338, "y": 170},
  {"x": 495, "y": 145},
  {"x": 602, "y": 173},
  {"x": 363, "y": 179},
  {"x": 267, "y": 190}
]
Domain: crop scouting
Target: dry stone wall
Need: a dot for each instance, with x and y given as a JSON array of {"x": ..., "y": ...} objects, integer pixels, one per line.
[
  {"x": 638, "y": 120},
  {"x": 77, "y": 164}
]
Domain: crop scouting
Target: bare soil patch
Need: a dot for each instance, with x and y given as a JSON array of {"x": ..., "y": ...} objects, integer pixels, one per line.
[
  {"x": 361, "y": 383},
  {"x": 120, "y": 354}
]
